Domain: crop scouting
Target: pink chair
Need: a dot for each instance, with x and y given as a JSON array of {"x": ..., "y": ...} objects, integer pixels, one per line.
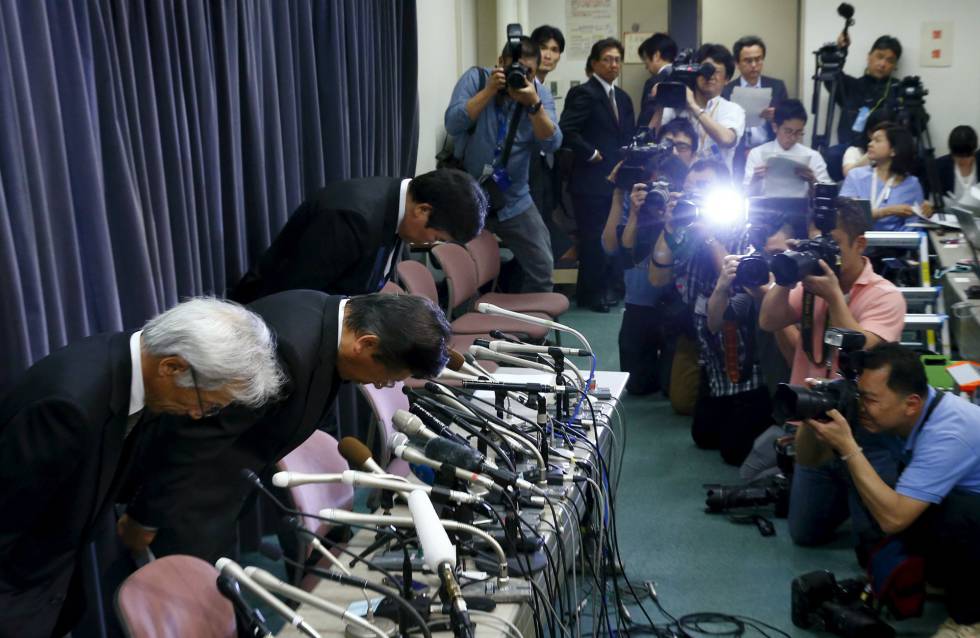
[
  {"x": 384, "y": 402},
  {"x": 486, "y": 256},
  {"x": 461, "y": 276},
  {"x": 175, "y": 597},
  {"x": 391, "y": 288},
  {"x": 317, "y": 455}
]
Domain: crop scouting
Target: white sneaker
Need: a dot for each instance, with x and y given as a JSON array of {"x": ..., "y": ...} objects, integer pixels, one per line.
[{"x": 952, "y": 629}]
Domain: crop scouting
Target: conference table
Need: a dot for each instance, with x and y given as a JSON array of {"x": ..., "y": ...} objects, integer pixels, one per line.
[
  {"x": 964, "y": 314},
  {"x": 520, "y": 614}
]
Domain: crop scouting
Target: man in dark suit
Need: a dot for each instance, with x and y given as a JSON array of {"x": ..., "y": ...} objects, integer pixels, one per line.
[
  {"x": 658, "y": 53},
  {"x": 193, "y": 492},
  {"x": 70, "y": 427},
  {"x": 750, "y": 56},
  {"x": 597, "y": 121},
  {"x": 347, "y": 238}
]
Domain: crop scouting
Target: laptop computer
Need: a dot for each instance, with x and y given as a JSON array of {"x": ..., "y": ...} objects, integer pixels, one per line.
[{"x": 967, "y": 216}]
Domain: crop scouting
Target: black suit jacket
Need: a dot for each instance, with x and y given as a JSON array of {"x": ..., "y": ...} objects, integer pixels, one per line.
[
  {"x": 946, "y": 167},
  {"x": 588, "y": 124},
  {"x": 778, "y": 95},
  {"x": 62, "y": 459},
  {"x": 647, "y": 107},
  {"x": 190, "y": 484},
  {"x": 337, "y": 242}
]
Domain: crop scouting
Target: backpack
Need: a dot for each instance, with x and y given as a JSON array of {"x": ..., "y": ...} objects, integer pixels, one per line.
[{"x": 446, "y": 157}]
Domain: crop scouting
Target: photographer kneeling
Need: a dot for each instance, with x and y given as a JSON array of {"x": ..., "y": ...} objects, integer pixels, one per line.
[
  {"x": 854, "y": 298},
  {"x": 935, "y": 504}
]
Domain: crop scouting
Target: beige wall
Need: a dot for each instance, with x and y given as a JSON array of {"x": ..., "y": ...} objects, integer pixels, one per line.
[{"x": 775, "y": 21}]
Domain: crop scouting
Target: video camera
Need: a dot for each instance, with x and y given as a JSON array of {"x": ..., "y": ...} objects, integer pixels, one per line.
[
  {"x": 839, "y": 607},
  {"x": 796, "y": 402},
  {"x": 516, "y": 73},
  {"x": 641, "y": 157},
  {"x": 672, "y": 92}
]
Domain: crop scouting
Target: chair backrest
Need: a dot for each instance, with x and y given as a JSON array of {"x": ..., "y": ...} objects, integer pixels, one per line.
[
  {"x": 384, "y": 402},
  {"x": 175, "y": 597},
  {"x": 418, "y": 280},
  {"x": 318, "y": 455},
  {"x": 460, "y": 273},
  {"x": 391, "y": 288},
  {"x": 486, "y": 255}
]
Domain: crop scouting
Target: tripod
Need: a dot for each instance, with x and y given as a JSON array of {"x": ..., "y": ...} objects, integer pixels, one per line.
[
  {"x": 911, "y": 115},
  {"x": 829, "y": 65}
]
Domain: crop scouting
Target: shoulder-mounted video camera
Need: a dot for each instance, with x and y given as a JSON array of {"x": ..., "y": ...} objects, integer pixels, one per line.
[{"x": 672, "y": 92}]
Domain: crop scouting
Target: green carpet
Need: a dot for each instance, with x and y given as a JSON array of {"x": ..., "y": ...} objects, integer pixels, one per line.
[{"x": 703, "y": 562}]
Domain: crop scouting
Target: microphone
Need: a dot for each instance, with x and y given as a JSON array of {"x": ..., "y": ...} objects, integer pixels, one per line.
[
  {"x": 468, "y": 458},
  {"x": 499, "y": 334},
  {"x": 291, "y": 479},
  {"x": 413, "y": 425},
  {"x": 233, "y": 570},
  {"x": 490, "y": 309},
  {"x": 485, "y": 353},
  {"x": 286, "y": 590},
  {"x": 526, "y": 348},
  {"x": 256, "y": 622},
  {"x": 358, "y": 455},
  {"x": 513, "y": 386},
  {"x": 448, "y": 374},
  {"x": 470, "y": 359},
  {"x": 458, "y": 363},
  {"x": 440, "y": 555},
  {"x": 400, "y": 448},
  {"x": 362, "y": 479}
]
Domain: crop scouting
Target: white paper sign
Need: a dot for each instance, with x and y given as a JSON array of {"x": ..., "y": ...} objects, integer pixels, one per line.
[
  {"x": 753, "y": 101},
  {"x": 936, "y": 46},
  {"x": 588, "y": 21}
]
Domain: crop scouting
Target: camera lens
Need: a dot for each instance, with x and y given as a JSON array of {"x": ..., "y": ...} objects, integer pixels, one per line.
[
  {"x": 795, "y": 403},
  {"x": 685, "y": 212},
  {"x": 791, "y": 267},
  {"x": 752, "y": 270}
]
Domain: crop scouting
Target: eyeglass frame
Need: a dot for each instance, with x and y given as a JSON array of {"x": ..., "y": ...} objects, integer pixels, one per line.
[{"x": 214, "y": 409}]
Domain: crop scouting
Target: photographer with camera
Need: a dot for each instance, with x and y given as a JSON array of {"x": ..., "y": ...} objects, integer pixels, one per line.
[
  {"x": 895, "y": 194},
  {"x": 491, "y": 112},
  {"x": 844, "y": 293},
  {"x": 935, "y": 504},
  {"x": 635, "y": 217},
  {"x": 658, "y": 53},
  {"x": 859, "y": 97},
  {"x": 718, "y": 122},
  {"x": 682, "y": 135},
  {"x": 789, "y": 121}
]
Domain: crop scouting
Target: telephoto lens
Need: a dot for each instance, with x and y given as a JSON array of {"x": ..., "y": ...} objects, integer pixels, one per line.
[{"x": 752, "y": 271}]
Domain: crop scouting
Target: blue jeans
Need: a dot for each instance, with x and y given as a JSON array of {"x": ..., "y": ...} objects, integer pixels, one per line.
[{"x": 821, "y": 498}]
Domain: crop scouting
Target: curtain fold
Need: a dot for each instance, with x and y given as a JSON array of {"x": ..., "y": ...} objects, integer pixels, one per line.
[{"x": 152, "y": 149}]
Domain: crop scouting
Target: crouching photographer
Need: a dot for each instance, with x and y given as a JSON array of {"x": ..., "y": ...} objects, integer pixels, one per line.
[
  {"x": 827, "y": 283},
  {"x": 644, "y": 180},
  {"x": 935, "y": 504}
]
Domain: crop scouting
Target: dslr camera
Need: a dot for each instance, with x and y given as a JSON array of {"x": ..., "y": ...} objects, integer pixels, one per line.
[
  {"x": 672, "y": 92},
  {"x": 796, "y": 402},
  {"x": 839, "y": 607},
  {"x": 516, "y": 73},
  {"x": 792, "y": 266},
  {"x": 768, "y": 491}
]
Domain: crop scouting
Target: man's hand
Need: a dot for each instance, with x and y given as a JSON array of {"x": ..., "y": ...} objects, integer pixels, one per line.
[
  {"x": 806, "y": 174},
  {"x": 615, "y": 171},
  {"x": 836, "y": 433},
  {"x": 637, "y": 196},
  {"x": 768, "y": 113},
  {"x": 843, "y": 40},
  {"x": 692, "y": 104},
  {"x": 759, "y": 173},
  {"x": 727, "y": 275},
  {"x": 825, "y": 286},
  {"x": 527, "y": 96},
  {"x": 496, "y": 82},
  {"x": 134, "y": 536}
]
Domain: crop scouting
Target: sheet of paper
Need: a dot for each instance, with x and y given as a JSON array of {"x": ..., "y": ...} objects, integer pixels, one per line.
[
  {"x": 781, "y": 178},
  {"x": 754, "y": 101}
]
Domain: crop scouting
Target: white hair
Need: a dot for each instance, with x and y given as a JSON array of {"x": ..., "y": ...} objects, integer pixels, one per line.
[{"x": 227, "y": 346}]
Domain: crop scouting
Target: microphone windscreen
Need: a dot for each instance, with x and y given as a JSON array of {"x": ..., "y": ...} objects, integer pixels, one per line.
[
  {"x": 354, "y": 452},
  {"x": 461, "y": 456},
  {"x": 456, "y": 361},
  {"x": 405, "y": 421},
  {"x": 436, "y": 546}
]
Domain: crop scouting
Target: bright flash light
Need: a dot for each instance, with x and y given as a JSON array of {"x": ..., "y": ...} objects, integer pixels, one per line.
[{"x": 724, "y": 207}]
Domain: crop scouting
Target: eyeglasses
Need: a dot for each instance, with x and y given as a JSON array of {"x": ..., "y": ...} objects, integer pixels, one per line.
[
  {"x": 611, "y": 60},
  {"x": 792, "y": 132},
  {"x": 682, "y": 147},
  {"x": 213, "y": 409}
]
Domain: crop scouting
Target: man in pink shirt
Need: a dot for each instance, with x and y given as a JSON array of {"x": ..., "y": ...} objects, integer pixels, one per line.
[{"x": 822, "y": 495}]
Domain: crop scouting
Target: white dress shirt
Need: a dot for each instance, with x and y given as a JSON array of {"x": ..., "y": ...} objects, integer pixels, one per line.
[{"x": 137, "y": 392}]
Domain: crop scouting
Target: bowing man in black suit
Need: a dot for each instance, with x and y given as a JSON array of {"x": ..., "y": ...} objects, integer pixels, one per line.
[
  {"x": 70, "y": 427},
  {"x": 193, "y": 492},
  {"x": 750, "y": 56},
  {"x": 347, "y": 238},
  {"x": 597, "y": 121}
]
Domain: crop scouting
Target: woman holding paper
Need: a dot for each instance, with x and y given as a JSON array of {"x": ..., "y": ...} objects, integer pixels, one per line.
[
  {"x": 895, "y": 194},
  {"x": 789, "y": 121}
]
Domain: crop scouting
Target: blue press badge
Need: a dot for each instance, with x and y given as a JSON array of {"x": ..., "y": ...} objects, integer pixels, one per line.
[{"x": 861, "y": 119}]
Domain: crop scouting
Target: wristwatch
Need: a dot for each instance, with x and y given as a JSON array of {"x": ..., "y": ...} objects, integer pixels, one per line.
[{"x": 533, "y": 110}]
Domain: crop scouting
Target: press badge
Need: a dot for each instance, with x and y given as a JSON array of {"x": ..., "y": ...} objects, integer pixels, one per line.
[{"x": 861, "y": 119}]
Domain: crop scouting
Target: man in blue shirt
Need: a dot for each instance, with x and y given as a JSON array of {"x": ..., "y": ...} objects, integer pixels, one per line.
[
  {"x": 478, "y": 118},
  {"x": 936, "y": 502}
]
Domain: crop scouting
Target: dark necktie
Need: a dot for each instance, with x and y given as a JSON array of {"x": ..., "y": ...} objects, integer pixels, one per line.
[{"x": 612, "y": 104}]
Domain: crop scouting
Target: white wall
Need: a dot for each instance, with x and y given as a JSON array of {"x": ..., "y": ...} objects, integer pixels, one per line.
[{"x": 954, "y": 92}]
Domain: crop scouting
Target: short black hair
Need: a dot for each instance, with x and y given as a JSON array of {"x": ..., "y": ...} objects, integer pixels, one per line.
[
  {"x": 672, "y": 169},
  {"x": 658, "y": 43},
  {"x": 683, "y": 126},
  {"x": 789, "y": 110},
  {"x": 747, "y": 41},
  {"x": 720, "y": 170},
  {"x": 545, "y": 32},
  {"x": 529, "y": 49},
  {"x": 412, "y": 332},
  {"x": 963, "y": 141},
  {"x": 602, "y": 45},
  {"x": 906, "y": 374},
  {"x": 852, "y": 218},
  {"x": 720, "y": 54},
  {"x": 890, "y": 43},
  {"x": 903, "y": 146},
  {"x": 459, "y": 205}
]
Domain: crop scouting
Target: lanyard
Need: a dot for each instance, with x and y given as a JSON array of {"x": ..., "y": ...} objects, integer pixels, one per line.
[
  {"x": 877, "y": 200},
  {"x": 932, "y": 406},
  {"x": 501, "y": 112}
]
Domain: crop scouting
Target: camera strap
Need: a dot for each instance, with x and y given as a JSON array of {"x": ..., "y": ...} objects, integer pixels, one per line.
[
  {"x": 907, "y": 457},
  {"x": 506, "y": 134},
  {"x": 806, "y": 329}
]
